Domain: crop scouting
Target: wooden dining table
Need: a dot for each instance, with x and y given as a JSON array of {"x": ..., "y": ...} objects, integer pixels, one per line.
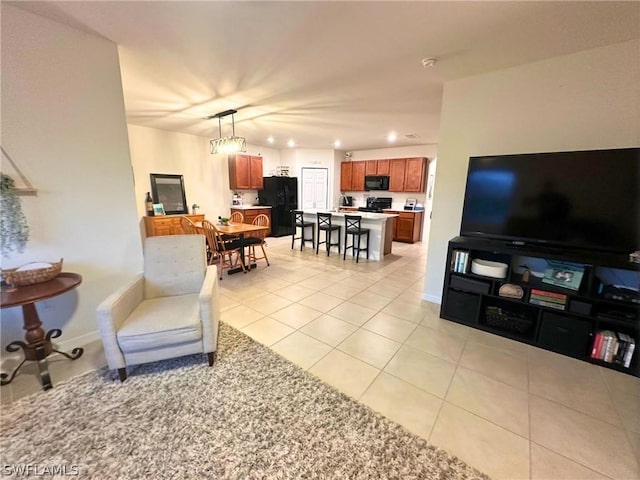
[{"x": 239, "y": 229}]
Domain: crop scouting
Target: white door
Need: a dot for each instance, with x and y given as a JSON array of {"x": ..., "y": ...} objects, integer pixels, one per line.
[{"x": 315, "y": 187}]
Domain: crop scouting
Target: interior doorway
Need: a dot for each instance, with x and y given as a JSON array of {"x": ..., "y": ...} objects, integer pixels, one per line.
[{"x": 314, "y": 189}]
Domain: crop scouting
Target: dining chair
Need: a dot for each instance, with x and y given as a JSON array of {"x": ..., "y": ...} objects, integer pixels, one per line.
[
  {"x": 224, "y": 250},
  {"x": 325, "y": 225},
  {"x": 298, "y": 222},
  {"x": 257, "y": 239},
  {"x": 188, "y": 227},
  {"x": 236, "y": 217},
  {"x": 352, "y": 226}
]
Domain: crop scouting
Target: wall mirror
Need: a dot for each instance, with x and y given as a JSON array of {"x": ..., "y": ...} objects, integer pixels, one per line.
[{"x": 169, "y": 191}]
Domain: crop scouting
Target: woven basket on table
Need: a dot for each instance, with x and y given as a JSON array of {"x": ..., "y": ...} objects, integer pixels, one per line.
[{"x": 22, "y": 276}]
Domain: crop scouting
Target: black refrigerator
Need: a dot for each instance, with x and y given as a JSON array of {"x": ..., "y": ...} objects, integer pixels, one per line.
[{"x": 281, "y": 194}]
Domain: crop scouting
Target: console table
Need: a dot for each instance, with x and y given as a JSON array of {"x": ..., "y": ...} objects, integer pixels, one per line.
[{"x": 37, "y": 345}]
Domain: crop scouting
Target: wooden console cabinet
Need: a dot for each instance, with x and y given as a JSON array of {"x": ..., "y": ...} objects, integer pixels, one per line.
[
  {"x": 167, "y": 224},
  {"x": 571, "y": 322}
]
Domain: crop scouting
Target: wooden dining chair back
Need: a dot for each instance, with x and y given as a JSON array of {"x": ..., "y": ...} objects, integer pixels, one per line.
[
  {"x": 223, "y": 251},
  {"x": 188, "y": 227},
  {"x": 258, "y": 239},
  {"x": 236, "y": 217}
]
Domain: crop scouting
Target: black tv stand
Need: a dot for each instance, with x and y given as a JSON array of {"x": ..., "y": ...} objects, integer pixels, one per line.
[{"x": 579, "y": 322}]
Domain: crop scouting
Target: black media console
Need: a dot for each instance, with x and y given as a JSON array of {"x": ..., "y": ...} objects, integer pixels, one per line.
[{"x": 595, "y": 321}]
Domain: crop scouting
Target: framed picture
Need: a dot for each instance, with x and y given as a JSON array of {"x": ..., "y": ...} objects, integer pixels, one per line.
[
  {"x": 168, "y": 190},
  {"x": 158, "y": 209}
]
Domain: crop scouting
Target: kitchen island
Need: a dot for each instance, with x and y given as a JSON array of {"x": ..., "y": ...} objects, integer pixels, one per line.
[{"x": 380, "y": 227}]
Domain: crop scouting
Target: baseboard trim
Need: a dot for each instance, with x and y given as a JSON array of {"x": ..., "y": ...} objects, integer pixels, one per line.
[{"x": 432, "y": 298}]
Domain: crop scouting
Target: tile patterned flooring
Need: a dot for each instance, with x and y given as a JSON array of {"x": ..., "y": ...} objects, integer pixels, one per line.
[{"x": 511, "y": 410}]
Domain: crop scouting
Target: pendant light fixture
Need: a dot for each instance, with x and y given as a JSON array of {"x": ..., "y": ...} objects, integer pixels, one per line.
[{"x": 230, "y": 144}]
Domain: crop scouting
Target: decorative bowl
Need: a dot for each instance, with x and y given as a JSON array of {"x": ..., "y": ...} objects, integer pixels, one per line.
[{"x": 31, "y": 273}]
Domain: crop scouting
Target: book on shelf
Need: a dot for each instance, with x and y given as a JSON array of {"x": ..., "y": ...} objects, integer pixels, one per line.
[
  {"x": 545, "y": 303},
  {"x": 613, "y": 347},
  {"x": 563, "y": 274},
  {"x": 549, "y": 295},
  {"x": 460, "y": 261},
  {"x": 548, "y": 299}
]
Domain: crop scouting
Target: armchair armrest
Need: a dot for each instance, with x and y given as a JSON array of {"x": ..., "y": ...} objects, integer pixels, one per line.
[
  {"x": 112, "y": 312},
  {"x": 209, "y": 302}
]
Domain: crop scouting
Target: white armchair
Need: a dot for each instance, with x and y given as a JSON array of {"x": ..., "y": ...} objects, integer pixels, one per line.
[{"x": 170, "y": 310}]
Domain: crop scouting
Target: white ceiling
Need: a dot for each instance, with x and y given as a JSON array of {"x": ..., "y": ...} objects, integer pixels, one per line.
[{"x": 319, "y": 71}]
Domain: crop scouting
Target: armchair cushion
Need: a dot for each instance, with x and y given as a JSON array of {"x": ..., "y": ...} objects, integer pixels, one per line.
[{"x": 161, "y": 322}]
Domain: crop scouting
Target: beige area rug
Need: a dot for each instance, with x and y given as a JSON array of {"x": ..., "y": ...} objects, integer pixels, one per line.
[{"x": 253, "y": 415}]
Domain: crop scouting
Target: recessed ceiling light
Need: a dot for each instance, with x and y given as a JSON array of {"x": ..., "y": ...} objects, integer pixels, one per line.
[
  {"x": 291, "y": 143},
  {"x": 270, "y": 139},
  {"x": 392, "y": 137},
  {"x": 337, "y": 143}
]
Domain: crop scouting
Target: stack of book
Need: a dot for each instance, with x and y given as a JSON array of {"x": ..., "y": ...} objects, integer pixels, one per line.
[
  {"x": 548, "y": 299},
  {"x": 460, "y": 261},
  {"x": 613, "y": 347}
]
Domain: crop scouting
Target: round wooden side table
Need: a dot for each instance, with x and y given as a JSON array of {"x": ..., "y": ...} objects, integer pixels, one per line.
[{"x": 37, "y": 345}]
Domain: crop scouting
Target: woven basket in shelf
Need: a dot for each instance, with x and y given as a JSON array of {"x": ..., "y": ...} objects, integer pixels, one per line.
[{"x": 31, "y": 276}]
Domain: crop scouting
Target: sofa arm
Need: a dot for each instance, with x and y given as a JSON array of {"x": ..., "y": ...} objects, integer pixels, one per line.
[
  {"x": 112, "y": 313},
  {"x": 209, "y": 301}
]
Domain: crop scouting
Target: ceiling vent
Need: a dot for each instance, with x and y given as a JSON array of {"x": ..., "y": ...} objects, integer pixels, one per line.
[{"x": 412, "y": 135}]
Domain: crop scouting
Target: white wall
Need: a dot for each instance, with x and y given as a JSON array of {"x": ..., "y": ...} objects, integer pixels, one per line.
[
  {"x": 206, "y": 176},
  {"x": 63, "y": 123},
  {"x": 587, "y": 100}
]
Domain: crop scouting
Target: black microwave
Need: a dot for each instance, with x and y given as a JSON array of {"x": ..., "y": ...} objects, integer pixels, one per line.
[{"x": 376, "y": 182}]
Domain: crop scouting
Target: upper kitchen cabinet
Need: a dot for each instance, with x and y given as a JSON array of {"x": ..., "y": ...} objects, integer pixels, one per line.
[
  {"x": 377, "y": 167},
  {"x": 245, "y": 172},
  {"x": 414, "y": 175},
  {"x": 352, "y": 176},
  {"x": 397, "y": 169},
  {"x": 407, "y": 174},
  {"x": 382, "y": 167}
]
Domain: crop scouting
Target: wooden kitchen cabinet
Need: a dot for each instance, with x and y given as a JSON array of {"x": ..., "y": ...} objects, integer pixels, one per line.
[
  {"x": 377, "y": 167},
  {"x": 397, "y": 168},
  {"x": 371, "y": 167},
  {"x": 167, "y": 224},
  {"x": 245, "y": 172},
  {"x": 382, "y": 167},
  {"x": 346, "y": 172},
  {"x": 357, "y": 178},
  {"x": 407, "y": 226},
  {"x": 414, "y": 176},
  {"x": 352, "y": 176},
  {"x": 251, "y": 213}
]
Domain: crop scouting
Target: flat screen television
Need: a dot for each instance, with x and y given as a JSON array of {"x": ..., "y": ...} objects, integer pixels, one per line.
[{"x": 583, "y": 199}]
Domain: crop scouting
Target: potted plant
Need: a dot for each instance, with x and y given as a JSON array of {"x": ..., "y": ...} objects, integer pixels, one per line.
[{"x": 14, "y": 231}]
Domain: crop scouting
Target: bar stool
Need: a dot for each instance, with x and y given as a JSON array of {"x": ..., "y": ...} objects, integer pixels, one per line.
[
  {"x": 352, "y": 227},
  {"x": 297, "y": 219},
  {"x": 324, "y": 224}
]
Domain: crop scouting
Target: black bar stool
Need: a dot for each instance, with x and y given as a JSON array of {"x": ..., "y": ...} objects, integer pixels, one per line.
[
  {"x": 324, "y": 224},
  {"x": 352, "y": 227},
  {"x": 297, "y": 219}
]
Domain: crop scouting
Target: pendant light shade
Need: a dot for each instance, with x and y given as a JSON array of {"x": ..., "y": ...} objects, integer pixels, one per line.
[{"x": 228, "y": 144}]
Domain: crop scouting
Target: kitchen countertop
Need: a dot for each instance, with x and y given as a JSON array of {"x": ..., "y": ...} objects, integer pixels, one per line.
[
  {"x": 364, "y": 215},
  {"x": 249, "y": 207}
]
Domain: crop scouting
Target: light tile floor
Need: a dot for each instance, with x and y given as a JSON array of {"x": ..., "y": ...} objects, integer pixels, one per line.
[{"x": 509, "y": 409}]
